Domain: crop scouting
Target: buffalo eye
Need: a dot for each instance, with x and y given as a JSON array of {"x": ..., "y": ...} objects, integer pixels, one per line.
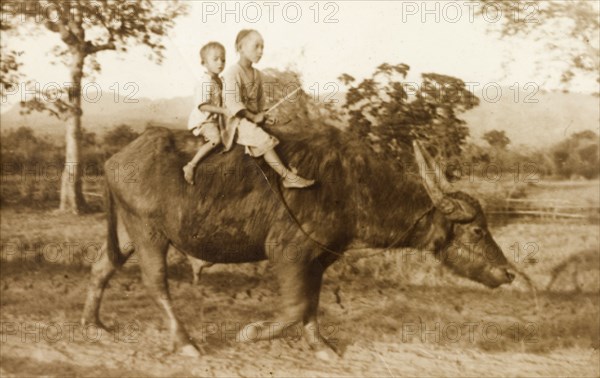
[{"x": 477, "y": 231}]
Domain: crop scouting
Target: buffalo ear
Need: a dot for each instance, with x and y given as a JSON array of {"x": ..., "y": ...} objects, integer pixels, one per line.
[
  {"x": 436, "y": 187},
  {"x": 457, "y": 210}
]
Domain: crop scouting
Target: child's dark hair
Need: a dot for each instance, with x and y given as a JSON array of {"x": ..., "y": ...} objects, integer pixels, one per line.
[
  {"x": 210, "y": 46},
  {"x": 241, "y": 35}
]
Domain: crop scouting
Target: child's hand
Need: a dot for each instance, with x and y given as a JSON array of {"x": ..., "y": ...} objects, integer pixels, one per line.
[
  {"x": 270, "y": 119},
  {"x": 259, "y": 118}
]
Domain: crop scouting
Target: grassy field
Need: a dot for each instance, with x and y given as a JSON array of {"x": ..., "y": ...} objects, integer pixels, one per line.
[{"x": 393, "y": 313}]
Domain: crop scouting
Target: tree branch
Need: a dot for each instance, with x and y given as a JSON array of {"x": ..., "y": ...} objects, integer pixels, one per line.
[
  {"x": 65, "y": 34},
  {"x": 61, "y": 26},
  {"x": 90, "y": 48}
]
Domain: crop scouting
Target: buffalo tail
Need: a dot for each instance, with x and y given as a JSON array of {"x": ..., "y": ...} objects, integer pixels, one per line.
[{"x": 112, "y": 241}]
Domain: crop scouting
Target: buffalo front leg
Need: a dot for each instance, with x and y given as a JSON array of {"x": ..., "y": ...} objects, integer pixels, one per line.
[
  {"x": 300, "y": 290},
  {"x": 291, "y": 278},
  {"x": 312, "y": 333},
  {"x": 102, "y": 272},
  {"x": 300, "y": 283},
  {"x": 153, "y": 263}
]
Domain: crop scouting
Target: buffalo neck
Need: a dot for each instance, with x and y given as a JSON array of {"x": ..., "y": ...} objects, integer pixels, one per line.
[{"x": 393, "y": 215}]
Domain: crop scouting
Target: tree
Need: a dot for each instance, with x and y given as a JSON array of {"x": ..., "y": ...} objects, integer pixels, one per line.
[
  {"x": 569, "y": 29},
  {"x": 117, "y": 138},
  {"x": 497, "y": 139},
  {"x": 87, "y": 27},
  {"x": 578, "y": 155},
  {"x": 21, "y": 147},
  {"x": 390, "y": 114}
]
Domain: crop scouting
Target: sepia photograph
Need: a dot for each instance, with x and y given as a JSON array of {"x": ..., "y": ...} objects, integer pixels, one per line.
[{"x": 300, "y": 188}]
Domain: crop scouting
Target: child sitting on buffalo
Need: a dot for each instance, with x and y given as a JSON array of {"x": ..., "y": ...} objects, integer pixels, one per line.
[
  {"x": 244, "y": 98},
  {"x": 206, "y": 119},
  {"x": 243, "y": 111}
]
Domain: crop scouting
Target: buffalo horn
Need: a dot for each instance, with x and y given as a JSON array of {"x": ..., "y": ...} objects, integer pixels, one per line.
[
  {"x": 439, "y": 173},
  {"x": 431, "y": 185},
  {"x": 454, "y": 209}
]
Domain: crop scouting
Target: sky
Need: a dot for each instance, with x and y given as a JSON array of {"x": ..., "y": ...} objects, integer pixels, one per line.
[{"x": 321, "y": 41}]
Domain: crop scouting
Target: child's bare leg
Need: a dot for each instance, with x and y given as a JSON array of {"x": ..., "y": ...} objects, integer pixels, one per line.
[
  {"x": 290, "y": 179},
  {"x": 188, "y": 169}
]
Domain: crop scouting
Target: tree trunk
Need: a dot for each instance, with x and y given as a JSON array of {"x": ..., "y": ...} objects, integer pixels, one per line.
[{"x": 71, "y": 196}]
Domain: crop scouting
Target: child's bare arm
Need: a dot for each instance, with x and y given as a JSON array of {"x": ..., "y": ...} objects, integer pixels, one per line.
[
  {"x": 252, "y": 117},
  {"x": 215, "y": 109}
]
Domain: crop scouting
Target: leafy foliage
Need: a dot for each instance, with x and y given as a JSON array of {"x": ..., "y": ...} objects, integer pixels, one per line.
[
  {"x": 389, "y": 113},
  {"x": 570, "y": 29},
  {"x": 9, "y": 64},
  {"x": 578, "y": 155},
  {"x": 497, "y": 139},
  {"x": 22, "y": 146},
  {"x": 117, "y": 138},
  {"x": 301, "y": 106},
  {"x": 574, "y": 157}
]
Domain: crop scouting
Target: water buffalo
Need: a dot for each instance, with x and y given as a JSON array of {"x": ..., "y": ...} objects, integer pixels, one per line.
[{"x": 238, "y": 212}]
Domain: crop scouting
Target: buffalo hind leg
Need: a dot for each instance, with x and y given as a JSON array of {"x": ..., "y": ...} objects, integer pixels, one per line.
[
  {"x": 153, "y": 263},
  {"x": 102, "y": 272}
]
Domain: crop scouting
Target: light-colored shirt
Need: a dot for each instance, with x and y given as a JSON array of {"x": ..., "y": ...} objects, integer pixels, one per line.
[
  {"x": 243, "y": 89},
  {"x": 208, "y": 91}
]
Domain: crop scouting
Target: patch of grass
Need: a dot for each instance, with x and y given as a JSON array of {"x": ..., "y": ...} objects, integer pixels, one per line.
[
  {"x": 37, "y": 192},
  {"x": 49, "y": 237}
]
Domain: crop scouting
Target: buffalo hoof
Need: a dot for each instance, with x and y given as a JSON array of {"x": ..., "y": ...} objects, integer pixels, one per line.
[
  {"x": 96, "y": 323},
  {"x": 189, "y": 351},
  {"x": 253, "y": 331}
]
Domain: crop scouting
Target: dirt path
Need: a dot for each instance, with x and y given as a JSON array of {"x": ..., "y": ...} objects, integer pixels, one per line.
[
  {"x": 279, "y": 359},
  {"x": 378, "y": 326}
]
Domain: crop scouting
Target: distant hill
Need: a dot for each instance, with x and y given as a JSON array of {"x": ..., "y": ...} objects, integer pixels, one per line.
[
  {"x": 555, "y": 116},
  {"x": 100, "y": 116}
]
